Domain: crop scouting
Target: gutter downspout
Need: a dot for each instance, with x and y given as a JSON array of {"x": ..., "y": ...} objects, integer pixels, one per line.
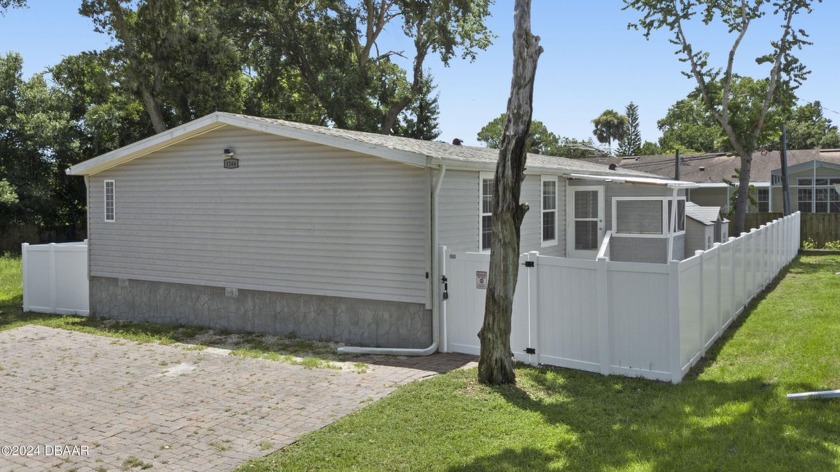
[{"x": 389, "y": 351}]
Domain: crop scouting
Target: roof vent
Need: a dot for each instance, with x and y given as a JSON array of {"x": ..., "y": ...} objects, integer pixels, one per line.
[
  {"x": 457, "y": 142},
  {"x": 702, "y": 168}
]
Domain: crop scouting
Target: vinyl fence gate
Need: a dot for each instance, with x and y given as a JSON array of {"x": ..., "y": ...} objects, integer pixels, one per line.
[{"x": 640, "y": 320}]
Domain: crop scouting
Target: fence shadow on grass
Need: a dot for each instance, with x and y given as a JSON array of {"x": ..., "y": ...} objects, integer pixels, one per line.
[{"x": 617, "y": 423}]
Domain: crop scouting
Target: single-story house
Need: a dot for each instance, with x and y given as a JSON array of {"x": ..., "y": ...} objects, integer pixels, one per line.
[
  {"x": 256, "y": 224},
  {"x": 812, "y": 177},
  {"x": 704, "y": 226}
]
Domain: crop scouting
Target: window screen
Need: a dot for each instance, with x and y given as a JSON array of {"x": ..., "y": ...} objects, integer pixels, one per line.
[
  {"x": 110, "y": 191},
  {"x": 486, "y": 212},
  {"x": 549, "y": 210},
  {"x": 639, "y": 216}
]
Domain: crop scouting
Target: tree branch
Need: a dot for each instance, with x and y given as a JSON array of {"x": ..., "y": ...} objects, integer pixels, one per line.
[
  {"x": 775, "y": 72},
  {"x": 727, "y": 78}
]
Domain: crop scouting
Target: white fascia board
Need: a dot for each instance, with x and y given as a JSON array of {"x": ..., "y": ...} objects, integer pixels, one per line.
[
  {"x": 348, "y": 144},
  {"x": 724, "y": 185},
  {"x": 146, "y": 146},
  {"x": 678, "y": 184},
  {"x": 217, "y": 120}
]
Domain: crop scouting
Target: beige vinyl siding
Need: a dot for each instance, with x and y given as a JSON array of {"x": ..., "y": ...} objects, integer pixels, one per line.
[
  {"x": 458, "y": 210},
  {"x": 294, "y": 217}
]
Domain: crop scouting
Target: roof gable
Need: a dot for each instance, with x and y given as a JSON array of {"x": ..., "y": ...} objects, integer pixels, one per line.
[
  {"x": 706, "y": 215},
  {"x": 712, "y": 169},
  {"x": 813, "y": 164},
  {"x": 404, "y": 150}
]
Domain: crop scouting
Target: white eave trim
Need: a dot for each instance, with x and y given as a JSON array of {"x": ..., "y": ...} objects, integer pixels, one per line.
[
  {"x": 340, "y": 142},
  {"x": 217, "y": 120},
  {"x": 724, "y": 184},
  {"x": 620, "y": 179},
  {"x": 147, "y": 146}
]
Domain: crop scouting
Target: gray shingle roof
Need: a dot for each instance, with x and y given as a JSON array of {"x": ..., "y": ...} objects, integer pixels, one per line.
[
  {"x": 713, "y": 168},
  {"x": 704, "y": 214},
  {"x": 409, "y": 151},
  {"x": 450, "y": 152}
]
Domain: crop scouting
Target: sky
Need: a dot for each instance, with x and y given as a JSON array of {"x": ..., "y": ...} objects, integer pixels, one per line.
[{"x": 591, "y": 62}]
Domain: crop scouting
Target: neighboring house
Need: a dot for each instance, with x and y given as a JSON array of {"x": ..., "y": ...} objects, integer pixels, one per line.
[
  {"x": 812, "y": 176},
  {"x": 704, "y": 226},
  {"x": 254, "y": 224}
]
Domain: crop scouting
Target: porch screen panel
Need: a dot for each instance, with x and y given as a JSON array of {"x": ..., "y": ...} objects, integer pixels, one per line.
[
  {"x": 586, "y": 235},
  {"x": 639, "y": 216},
  {"x": 586, "y": 219},
  {"x": 586, "y": 204}
]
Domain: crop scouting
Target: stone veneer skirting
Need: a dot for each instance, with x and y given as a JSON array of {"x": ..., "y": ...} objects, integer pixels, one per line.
[{"x": 348, "y": 320}]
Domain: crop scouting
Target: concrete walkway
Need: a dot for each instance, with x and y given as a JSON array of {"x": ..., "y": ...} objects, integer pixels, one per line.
[{"x": 74, "y": 401}]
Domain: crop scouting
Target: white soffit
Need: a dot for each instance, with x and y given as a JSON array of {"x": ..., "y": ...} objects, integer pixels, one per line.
[{"x": 636, "y": 180}]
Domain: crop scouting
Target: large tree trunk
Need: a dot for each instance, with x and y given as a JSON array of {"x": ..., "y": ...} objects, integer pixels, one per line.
[
  {"x": 742, "y": 200},
  {"x": 153, "y": 109},
  {"x": 495, "y": 365}
]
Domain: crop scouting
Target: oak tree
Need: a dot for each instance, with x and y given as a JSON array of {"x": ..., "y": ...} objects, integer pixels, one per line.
[{"x": 715, "y": 83}]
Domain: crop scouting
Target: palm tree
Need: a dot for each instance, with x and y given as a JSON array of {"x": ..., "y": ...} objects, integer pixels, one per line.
[{"x": 611, "y": 125}]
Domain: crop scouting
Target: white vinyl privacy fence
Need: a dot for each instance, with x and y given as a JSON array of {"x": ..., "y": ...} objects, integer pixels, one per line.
[
  {"x": 55, "y": 278},
  {"x": 642, "y": 320}
]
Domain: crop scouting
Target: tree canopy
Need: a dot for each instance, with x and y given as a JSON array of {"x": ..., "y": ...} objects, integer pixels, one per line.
[
  {"x": 333, "y": 51},
  {"x": 808, "y": 128},
  {"x": 540, "y": 140},
  {"x": 631, "y": 143},
  {"x": 689, "y": 127},
  {"x": 610, "y": 126},
  {"x": 312, "y": 61},
  {"x": 742, "y": 121}
]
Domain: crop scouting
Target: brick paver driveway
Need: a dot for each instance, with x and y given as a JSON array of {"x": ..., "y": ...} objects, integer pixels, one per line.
[{"x": 76, "y": 401}]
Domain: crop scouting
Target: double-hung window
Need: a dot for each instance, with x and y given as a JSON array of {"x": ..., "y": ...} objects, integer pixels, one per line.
[
  {"x": 549, "y": 210},
  {"x": 763, "y": 200},
  {"x": 485, "y": 210},
  {"x": 110, "y": 201}
]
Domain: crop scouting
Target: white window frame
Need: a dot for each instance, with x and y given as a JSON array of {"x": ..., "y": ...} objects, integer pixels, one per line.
[
  {"x": 113, "y": 201},
  {"x": 543, "y": 180},
  {"x": 759, "y": 201},
  {"x": 482, "y": 176},
  {"x": 665, "y": 217}
]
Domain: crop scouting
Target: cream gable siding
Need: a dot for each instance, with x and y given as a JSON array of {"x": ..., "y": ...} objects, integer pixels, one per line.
[
  {"x": 458, "y": 219},
  {"x": 295, "y": 217}
]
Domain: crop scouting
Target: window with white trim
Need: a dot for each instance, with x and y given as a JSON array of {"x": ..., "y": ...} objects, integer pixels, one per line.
[
  {"x": 817, "y": 195},
  {"x": 110, "y": 201},
  {"x": 549, "y": 210},
  {"x": 763, "y": 199},
  {"x": 485, "y": 211},
  {"x": 646, "y": 217},
  {"x": 804, "y": 198},
  {"x": 680, "y": 227}
]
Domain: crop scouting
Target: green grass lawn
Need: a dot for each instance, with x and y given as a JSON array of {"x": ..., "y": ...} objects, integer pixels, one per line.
[{"x": 729, "y": 414}]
